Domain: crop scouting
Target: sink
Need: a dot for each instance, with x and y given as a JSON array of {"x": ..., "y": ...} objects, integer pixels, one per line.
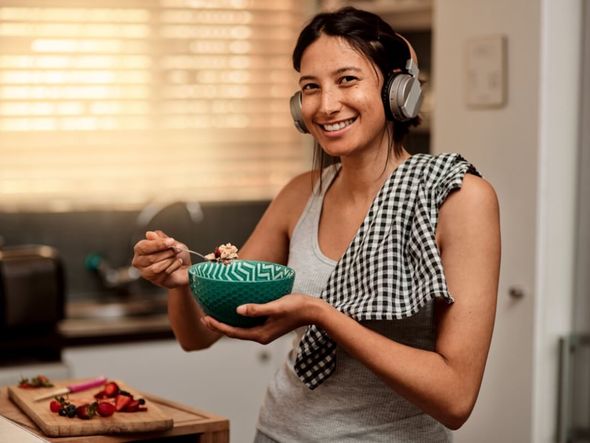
[{"x": 105, "y": 308}]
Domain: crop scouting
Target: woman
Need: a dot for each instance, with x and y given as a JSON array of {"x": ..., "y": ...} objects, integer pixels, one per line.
[{"x": 397, "y": 258}]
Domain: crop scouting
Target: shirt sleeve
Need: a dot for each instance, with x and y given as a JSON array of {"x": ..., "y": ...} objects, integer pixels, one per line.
[{"x": 449, "y": 171}]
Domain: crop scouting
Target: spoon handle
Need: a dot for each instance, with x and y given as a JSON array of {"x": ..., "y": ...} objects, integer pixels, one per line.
[{"x": 194, "y": 252}]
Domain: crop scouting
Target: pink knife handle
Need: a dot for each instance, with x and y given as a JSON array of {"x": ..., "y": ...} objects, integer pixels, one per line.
[{"x": 88, "y": 384}]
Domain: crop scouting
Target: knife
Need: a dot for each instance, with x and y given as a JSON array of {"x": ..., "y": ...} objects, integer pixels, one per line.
[{"x": 74, "y": 388}]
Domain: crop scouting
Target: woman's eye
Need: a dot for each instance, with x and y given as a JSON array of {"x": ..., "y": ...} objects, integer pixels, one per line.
[
  {"x": 348, "y": 79},
  {"x": 308, "y": 87}
]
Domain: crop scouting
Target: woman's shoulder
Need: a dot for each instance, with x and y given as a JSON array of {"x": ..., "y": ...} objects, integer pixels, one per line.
[
  {"x": 442, "y": 174},
  {"x": 470, "y": 215},
  {"x": 293, "y": 197},
  {"x": 299, "y": 187},
  {"x": 476, "y": 199},
  {"x": 476, "y": 190}
]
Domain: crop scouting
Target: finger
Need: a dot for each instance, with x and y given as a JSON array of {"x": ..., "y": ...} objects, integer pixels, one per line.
[
  {"x": 151, "y": 235},
  {"x": 161, "y": 266},
  {"x": 227, "y": 330},
  {"x": 258, "y": 310},
  {"x": 143, "y": 260},
  {"x": 145, "y": 247},
  {"x": 177, "y": 264},
  {"x": 213, "y": 324},
  {"x": 251, "y": 310}
]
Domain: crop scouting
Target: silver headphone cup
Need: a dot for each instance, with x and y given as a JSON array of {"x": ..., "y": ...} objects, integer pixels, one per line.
[
  {"x": 407, "y": 93},
  {"x": 295, "y": 106}
]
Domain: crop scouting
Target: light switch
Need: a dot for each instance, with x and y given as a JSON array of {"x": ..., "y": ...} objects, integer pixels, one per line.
[{"x": 485, "y": 82}]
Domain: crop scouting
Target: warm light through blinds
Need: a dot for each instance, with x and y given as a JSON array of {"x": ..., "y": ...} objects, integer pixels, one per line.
[{"x": 116, "y": 103}]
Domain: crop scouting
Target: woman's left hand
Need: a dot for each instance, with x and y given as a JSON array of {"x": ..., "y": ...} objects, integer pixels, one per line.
[{"x": 284, "y": 315}]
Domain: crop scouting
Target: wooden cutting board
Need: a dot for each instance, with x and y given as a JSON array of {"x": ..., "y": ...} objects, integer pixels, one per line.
[{"x": 54, "y": 425}]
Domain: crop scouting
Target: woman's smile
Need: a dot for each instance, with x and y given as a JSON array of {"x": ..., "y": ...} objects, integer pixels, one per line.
[{"x": 337, "y": 127}]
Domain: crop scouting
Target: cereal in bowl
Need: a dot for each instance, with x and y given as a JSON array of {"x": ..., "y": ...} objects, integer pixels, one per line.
[{"x": 223, "y": 254}]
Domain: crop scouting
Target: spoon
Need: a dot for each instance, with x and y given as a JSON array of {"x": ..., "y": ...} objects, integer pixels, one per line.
[{"x": 193, "y": 252}]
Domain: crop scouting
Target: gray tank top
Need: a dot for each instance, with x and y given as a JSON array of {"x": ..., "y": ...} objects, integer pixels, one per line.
[{"x": 353, "y": 404}]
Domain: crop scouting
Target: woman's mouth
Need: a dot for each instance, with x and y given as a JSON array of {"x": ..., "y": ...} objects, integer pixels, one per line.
[{"x": 337, "y": 126}]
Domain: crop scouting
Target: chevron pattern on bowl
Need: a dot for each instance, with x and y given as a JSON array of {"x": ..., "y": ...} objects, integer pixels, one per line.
[
  {"x": 243, "y": 270},
  {"x": 220, "y": 288}
]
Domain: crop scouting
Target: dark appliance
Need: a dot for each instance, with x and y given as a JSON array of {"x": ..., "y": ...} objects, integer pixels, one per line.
[{"x": 32, "y": 301}]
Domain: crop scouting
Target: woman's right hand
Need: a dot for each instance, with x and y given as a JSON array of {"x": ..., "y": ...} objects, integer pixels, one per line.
[{"x": 161, "y": 261}]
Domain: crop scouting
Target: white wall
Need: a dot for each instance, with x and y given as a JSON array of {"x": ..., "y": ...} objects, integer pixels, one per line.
[{"x": 526, "y": 149}]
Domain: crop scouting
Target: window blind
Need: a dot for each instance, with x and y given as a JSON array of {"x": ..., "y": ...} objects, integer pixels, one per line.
[{"x": 115, "y": 103}]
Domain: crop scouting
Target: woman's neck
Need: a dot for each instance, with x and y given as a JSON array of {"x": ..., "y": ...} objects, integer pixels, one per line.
[{"x": 361, "y": 178}]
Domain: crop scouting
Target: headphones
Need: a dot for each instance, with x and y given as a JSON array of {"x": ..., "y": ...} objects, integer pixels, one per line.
[{"x": 401, "y": 95}]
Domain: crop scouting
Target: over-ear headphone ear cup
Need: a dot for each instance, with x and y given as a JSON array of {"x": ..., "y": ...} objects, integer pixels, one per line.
[
  {"x": 296, "y": 114},
  {"x": 402, "y": 96}
]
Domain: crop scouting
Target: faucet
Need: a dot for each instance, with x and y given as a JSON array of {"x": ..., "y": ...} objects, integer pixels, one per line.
[
  {"x": 151, "y": 210},
  {"x": 120, "y": 277}
]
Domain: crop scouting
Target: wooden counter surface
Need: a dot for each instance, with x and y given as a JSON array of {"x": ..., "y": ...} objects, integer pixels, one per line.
[{"x": 192, "y": 423}]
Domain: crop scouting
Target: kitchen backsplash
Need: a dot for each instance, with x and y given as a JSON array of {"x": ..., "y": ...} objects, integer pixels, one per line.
[{"x": 84, "y": 238}]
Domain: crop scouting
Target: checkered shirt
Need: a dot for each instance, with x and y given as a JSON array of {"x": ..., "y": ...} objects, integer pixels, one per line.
[{"x": 392, "y": 267}]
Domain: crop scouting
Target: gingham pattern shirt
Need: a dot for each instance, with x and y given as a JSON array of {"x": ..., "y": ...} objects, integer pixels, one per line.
[{"x": 392, "y": 267}]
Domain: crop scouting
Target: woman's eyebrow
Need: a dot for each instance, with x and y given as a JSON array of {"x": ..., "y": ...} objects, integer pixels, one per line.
[
  {"x": 347, "y": 68},
  {"x": 335, "y": 73},
  {"x": 306, "y": 77}
]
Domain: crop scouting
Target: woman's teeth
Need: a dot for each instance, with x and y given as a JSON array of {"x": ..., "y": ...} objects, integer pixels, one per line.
[{"x": 337, "y": 126}]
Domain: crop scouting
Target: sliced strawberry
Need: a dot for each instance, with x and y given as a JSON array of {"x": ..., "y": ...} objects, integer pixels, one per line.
[
  {"x": 105, "y": 409},
  {"x": 111, "y": 389},
  {"x": 43, "y": 380},
  {"x": 86, "y": 411},
  {"x": 121, "y": 401},
  {"x": 101, "y": 395},
  {"x": 132, "y": 406}
]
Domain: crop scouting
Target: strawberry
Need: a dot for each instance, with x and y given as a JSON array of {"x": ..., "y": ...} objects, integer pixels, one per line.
[
  {"x": 41, "y": 381},
  {"x": 111, "y": 389},
  {"x": 105, "y": 409},
  {"x": 54, "y": 406},
  {"x": 101, "y": 395},
  {"x": 86, "y": 411},
  {"x": 132, "y": 406},
  {"x": 121, "y": 401}
]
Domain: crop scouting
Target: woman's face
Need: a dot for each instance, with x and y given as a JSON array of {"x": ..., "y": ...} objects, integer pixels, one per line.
[{"x": 341, "y": 103}]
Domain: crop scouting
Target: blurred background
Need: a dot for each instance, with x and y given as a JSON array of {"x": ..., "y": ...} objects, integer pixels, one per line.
[{"x": 121, "y": 116}]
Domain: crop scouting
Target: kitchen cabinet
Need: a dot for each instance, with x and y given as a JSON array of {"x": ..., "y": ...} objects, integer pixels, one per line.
[{"x": 230, "y": 378}]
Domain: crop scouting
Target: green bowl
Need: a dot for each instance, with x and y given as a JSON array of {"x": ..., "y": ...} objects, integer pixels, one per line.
[{"x": 220, "y": 288}]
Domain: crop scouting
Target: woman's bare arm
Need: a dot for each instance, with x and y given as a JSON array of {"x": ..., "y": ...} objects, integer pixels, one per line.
[{"x": 159, "y": 261}]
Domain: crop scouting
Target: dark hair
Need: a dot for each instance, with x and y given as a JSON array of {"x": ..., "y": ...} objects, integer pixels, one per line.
[{"x": 372, "y": 37}]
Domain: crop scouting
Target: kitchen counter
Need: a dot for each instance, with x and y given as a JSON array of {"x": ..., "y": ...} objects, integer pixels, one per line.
[
  {"x": 190, "y": 424},
  {"x": 90, "y": 322}
]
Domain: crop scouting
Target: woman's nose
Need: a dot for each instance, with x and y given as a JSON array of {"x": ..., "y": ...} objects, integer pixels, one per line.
[{"x": 330, "y": 102}]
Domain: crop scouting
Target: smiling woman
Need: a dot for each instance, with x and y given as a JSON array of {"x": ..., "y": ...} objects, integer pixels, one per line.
[
  {"x": 97, "y": 101},
  {"x": 396, "y": 257}
]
